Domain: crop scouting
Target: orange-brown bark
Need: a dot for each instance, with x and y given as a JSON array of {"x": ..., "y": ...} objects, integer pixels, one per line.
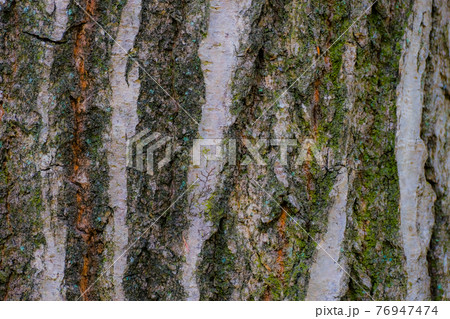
[{"x": 80, "y": 161}]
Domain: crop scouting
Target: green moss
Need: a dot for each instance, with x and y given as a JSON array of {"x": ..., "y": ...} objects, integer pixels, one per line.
[{"x": 377, "y": 189}]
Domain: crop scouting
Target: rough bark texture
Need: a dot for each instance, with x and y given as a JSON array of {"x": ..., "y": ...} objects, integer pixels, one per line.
[{"x": 360, "y": 211}]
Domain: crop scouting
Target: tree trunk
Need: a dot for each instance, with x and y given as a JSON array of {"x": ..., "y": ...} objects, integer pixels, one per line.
[{"x": 337, "y": 112}]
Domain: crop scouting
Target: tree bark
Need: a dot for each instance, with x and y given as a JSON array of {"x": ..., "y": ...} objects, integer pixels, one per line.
[{"x": 354, "y": 207}]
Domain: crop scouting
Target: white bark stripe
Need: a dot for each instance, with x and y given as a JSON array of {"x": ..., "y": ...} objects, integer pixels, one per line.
[
  {"x": 416, "y": 195},
  {"x": 50, "y": 259},
  {"x": 124, "y": 121},
  {"x": 218, "y": 55},
  {"x": 326, "y": 276}
]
